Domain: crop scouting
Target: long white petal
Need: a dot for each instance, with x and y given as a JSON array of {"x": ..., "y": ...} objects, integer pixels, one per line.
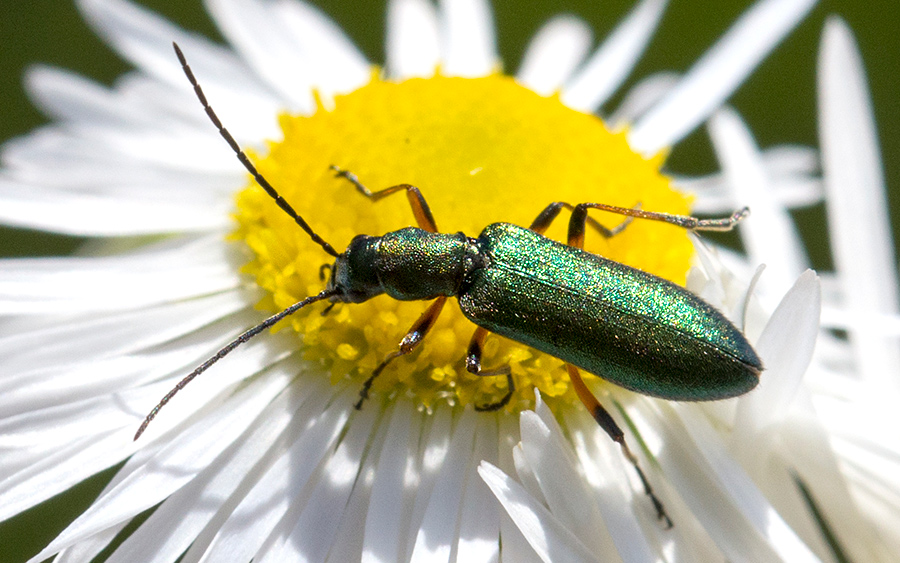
[
  {"x": 174, "y": 525},
  {"x": 394, "y": 488},
  {"x": 554, "y": 466},
  {"x": 786, "y": 345},
  {"x": 553, "y": 54},
  {"x": 479, "y": 528},
  {"x": 604, "y": 469},
  {"x": 721, "y": 494},
  {"x": 468, "y": 47},
  {"x": 309, "y": 535},
  {"x": 550, "y": 538},
  {"x": 39, "y": 286},
  {"x": 146, "y": 40},
  {"x": 437, "y": 533},
  {"x": 178, "y": 462},
  {"x": 769, "y": 235},
  {"x": 715, "y": 76},
  {"x": 413, "y": 41},
  {"x": 433, "y": 452},
  {"x": 272, "y": 495},
  {"x": 615, "y": 59},
  {"x": 857, "y": 209}
]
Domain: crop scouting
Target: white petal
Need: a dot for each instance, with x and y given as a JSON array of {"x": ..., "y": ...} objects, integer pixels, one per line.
[
  {"x": 715, "y": 76},
  {"x": 721, "y": 495},
  {"x": 67, "y": 96},
  {"x": 174, "y": 525},
  {"x": 293, "y": 46},
  {"x": 769, "y": 235},
  {"x": 57, "y": 470},
  {"x": 336, "y": 65},
  {"x": 260, "y": 38},
  {"x": 37, "y": 286},
  {"x": 73, "y": 347},
  {"x": 554, "y": 467},
  {"x": 41, "y": 208},
  {"x": 468, "y": 47},
  {"x": 793, "y": 173},
  {"x": 350, "y": 540},
  {"x": 308, "y": 535},
  {"x": 185, "y": 147},
  {"x": 174, "y": 466},
  {"x": 413, "y": 41},
  {"x": 515, "y": 546},
  {"x": 807, "y": 448},
  {"x": 434, "y": 451},
  {"x": 605, "y": 471},
  {"x": 273, "y": 494},
  {"x": 146, "y": 39},
  {"x": 89, "y": 548},
  {"x": 438, "y": 530},
  {"x": 85, "y": 158},
  {"x": 786, "y": 347},
  {"x": 394, "y": 488},
  {"x": 139, "y": 106},
  {"x": 553, "y": 54},
  {"x": 547, "y": 536},
  {"x": 615, "y": 59},
  {"x": 857, "y": 209},
  {"x": 479, "y": 529},
  {"x": 641, "y": 97}
]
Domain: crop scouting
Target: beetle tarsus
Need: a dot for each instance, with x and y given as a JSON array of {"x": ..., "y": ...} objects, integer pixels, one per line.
[
  {"x": 491, "y": 407},
  {"x": 473, "y": 365},
  {"x": 648, "y": 490}
]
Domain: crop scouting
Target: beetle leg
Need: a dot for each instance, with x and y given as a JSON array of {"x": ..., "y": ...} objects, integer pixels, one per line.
[
  {"x": 603, "y": 418},
  {"x": 684, "y": 221},
  {"x": 473, "y": 364},
  {"x": 412, "y": 339},
  {"x": 416, "y": 200},
  {"x": 543, "y": 220}
]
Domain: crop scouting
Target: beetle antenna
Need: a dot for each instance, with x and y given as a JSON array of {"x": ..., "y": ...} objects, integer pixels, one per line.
[
  {"x": 227, "y": 349},
  {"x": 242, "y": 156}
]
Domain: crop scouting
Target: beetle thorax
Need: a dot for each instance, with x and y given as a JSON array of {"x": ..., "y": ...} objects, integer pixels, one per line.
[{"x": 408, "y": 264}]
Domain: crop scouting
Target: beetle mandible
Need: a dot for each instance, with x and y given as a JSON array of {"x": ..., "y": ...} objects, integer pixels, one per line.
[{"x": 624, "y": 325}]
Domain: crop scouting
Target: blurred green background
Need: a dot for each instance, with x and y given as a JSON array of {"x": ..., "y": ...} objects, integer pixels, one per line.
[{"x": 778, "y": 102}]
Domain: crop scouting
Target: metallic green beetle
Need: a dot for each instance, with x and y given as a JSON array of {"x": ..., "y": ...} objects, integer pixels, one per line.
[{"x": 629, "y": 327}]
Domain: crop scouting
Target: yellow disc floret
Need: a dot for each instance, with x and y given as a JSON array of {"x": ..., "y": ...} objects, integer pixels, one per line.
[{"x": 481, "y": 150}]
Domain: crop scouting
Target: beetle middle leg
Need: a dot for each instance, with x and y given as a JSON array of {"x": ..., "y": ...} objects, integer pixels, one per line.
[
  {"x": 473, "y": 365},
  {"x": 412, "y": 339},
  {"x": 416, "y": 200}
]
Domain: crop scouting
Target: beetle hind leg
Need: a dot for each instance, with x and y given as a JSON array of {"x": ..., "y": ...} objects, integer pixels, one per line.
[
  {"x": 542, "y": 222},
  {"x": 603, "y": 418},
  {"x": 473, "y": 365}
]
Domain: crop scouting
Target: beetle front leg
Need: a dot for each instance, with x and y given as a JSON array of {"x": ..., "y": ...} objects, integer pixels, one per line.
[
  {"x": 606, "y": 422},
  {"x": 416, "y": 200},
  {"x": 412, "y": 339},
  {"x": 473, "y": 364}
]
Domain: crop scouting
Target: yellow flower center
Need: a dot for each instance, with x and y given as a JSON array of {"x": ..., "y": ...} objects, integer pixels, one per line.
[{"x": 482, "y": 150}]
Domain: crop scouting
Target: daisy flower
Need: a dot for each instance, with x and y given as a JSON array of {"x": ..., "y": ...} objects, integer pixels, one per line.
[{"x": 264, "y": 456}]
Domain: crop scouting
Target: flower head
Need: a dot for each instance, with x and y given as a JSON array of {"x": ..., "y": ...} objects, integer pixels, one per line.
[{"x": 264, "y": 454}]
